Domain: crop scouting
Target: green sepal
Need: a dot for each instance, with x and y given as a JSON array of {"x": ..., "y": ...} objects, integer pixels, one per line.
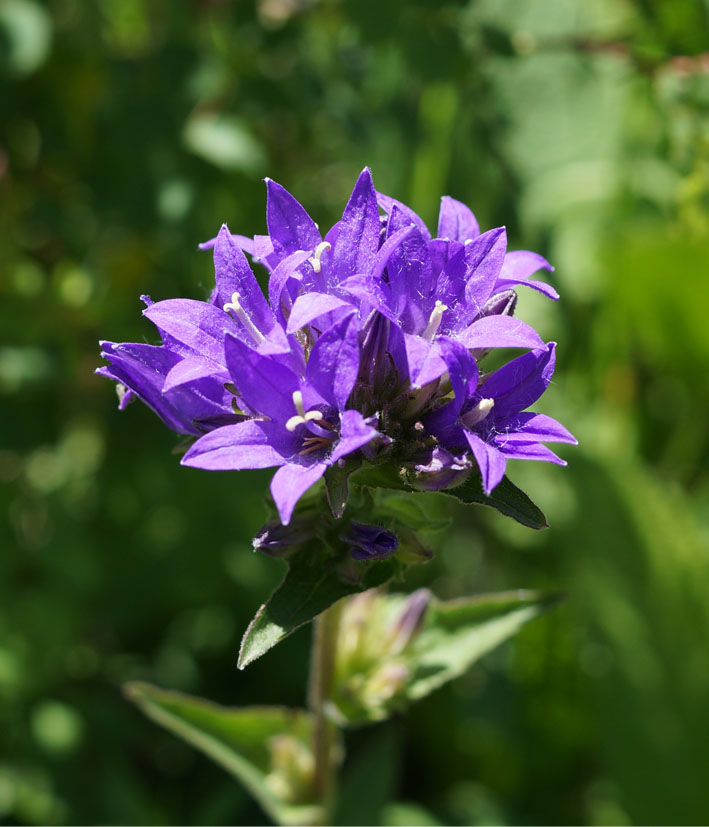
[
  {"x": 268, "y": 749},
  {"x": 506, "y": 497},
  {"x": 377, "y": 677},
  {"x": 310, "y": 586}
]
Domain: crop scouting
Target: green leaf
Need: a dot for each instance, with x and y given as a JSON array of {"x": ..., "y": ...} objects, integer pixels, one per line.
[
  {"x": 457, "y": 633},
  {"x": 505, "y": 498},
  {"x": 378, "y": 673},
  {"x": 248, "y": 742},
  {"x": 309, "y": 587}
]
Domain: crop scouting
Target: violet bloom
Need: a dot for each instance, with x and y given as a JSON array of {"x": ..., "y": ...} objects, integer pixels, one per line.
[
  {"x": 366, "y": 346},
  {"x": 490, "y": 417},
  {"x": 371, "y": 542}
]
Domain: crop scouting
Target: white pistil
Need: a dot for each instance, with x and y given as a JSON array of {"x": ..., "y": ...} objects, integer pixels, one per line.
[
  {"x": 434, "y": 321},
  {"x": 302, "y": 416},
  {"x": 478, "y": 413},
  {"x": 235, "y": 305},
  {"x": 319, "y": 250}
]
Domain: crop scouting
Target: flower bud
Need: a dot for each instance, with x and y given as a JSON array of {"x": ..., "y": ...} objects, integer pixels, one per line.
[
  {"x": 371, "y": 542},
  {"x": 501, "y": 304},
  {"x": 277, "y": 540},
  {"x": 410, "y": 620}
]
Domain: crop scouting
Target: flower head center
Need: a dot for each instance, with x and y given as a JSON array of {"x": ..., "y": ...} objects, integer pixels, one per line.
[
  {"x": 244, "y": 318},
  {"x": 303, "y": 416},
  {"x": 319, "y": 250},
  {"x": 434, "y": 321},
  {"x": 477, "y": 413}
]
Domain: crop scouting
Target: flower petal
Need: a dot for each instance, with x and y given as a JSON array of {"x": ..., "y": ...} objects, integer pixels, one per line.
[
  {"x": 484, "y": 257},
  {"x": 389, "y": 204},
  {"x": 197, "y": 327},
  {"x": 234, "y": 275},
  {"x": 424, "y": 359},
  {"x": 499, "y": 331},
  {"x": 373, "y": 292},
  {"x": 289, "y": 225},
  {"x": 534, "y": 427},
  {"x": 290, "y": 482},
  {"x": 491, "y": 462},
  {"x": 519, "y": 383},
  {"x": 355, "y": 433},
  {"x": 265, "y": 384},
  {"x": 235, "y": 447},
  {"x": 527, "y": 450},
  {"x": 310, "y": 306},
  {"x": 334, "y": 362},
  {"x": 519, "y": 265},
  {"x": 456, "y": 222},
  {"x": 189, "y": 370},
  {"x": 358, "y": 233}
]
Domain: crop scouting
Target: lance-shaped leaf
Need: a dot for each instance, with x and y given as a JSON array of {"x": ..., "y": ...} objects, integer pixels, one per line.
[
  {"x": 395, "y": 650},
  {"x": 268, "y": 749},
  {"x": 309, "y": 587}
]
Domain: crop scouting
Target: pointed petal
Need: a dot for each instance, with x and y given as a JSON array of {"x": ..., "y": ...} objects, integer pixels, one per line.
[
  {"x": 424, "y": 359},
  {"x": 355, "y": 433},
  {"x": 310, "y": 306},
  {"x": 189, "y": 370},
  {"x": 243, "y": 242},
  {"x": 462, "y": 369},
  {"x": 289, "y": 225},
  {"x": 389, "y": 204},
  {"x": 490, "y": 461},
  {"x": 534, "y": 427},
  {"x": 290, "y": 482},
  {"x": 263, "y": 383},
  {"x": 527, "y": 450},
  {"x": 519, "y": 265},
  {"x": 499, "y": 331},
  {"x": 233, "y": 275},
  {"x": 197, "y": 326},
  {"x": 234, "y": 448},
  {"x": 539, "y": 286},
  {"x": 484, "y": 257},
  {"x": 358, "y": 234},
  {"x": 456, "y": 221},
  {"x": 334, "y": 362},
  {"x": 372, "y": 292},
  {"x": 410, "y": 273},
  {"x": 287, "y": 269},
  {"x": 520, "y": 382}
]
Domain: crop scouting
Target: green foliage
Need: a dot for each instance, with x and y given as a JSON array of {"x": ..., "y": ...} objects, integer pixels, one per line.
[
  {"x": 308, "y": 588},
  {"x": 383, "y": 666},
  {"x": 580, "y": 126},
  {"x": 268, "y": 749}
]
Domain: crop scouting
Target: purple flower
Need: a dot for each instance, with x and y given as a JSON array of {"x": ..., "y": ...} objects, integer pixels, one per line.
[{"x": 366, "y": 347}]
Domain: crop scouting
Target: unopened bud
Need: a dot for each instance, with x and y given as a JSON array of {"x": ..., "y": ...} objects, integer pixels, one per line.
[
  {"x": 501, "y": 304},
  {"x": 410, "y": 621},
  {"x": 371, "y": 542},
  {"x": 277, "y": 540}
]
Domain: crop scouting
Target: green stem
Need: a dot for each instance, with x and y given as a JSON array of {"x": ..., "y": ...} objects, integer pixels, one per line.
[{"x": 322, "y": 673}]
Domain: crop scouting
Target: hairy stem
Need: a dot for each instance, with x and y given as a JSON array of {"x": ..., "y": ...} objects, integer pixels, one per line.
[{"x": 322, "y": 671}]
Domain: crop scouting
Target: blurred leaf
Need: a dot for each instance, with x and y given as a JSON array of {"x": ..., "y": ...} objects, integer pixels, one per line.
[
  {"x": 28, "y": 28},
  {"x": 243, "y": 741},
  {"x": 307, "y": 590},
  {"x": 224, "y": 141}
]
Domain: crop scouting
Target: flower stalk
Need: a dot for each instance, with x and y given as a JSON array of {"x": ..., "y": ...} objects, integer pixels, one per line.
[{"x": 322, "y": 673}]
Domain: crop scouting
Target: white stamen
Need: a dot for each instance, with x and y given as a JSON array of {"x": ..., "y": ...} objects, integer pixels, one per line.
[
  {"x": 434, "y": 321},
  {"x": 235, "y": 305},
  {"x": 319, "y": 250},
  {"x": 298, "y": 402},
  {"x": 478, "y": 413},
  {"x": 302, "y": 417}
]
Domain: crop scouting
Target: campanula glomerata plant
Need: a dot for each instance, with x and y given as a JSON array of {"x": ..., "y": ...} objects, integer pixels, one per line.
[{"x": 360, "y": 375}]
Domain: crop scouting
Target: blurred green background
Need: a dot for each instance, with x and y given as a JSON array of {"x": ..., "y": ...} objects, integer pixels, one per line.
[{"x": 129, "y": 130}]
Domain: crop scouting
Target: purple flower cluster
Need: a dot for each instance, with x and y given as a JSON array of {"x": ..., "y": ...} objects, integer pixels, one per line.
[{"x": 368, "y": 348}]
